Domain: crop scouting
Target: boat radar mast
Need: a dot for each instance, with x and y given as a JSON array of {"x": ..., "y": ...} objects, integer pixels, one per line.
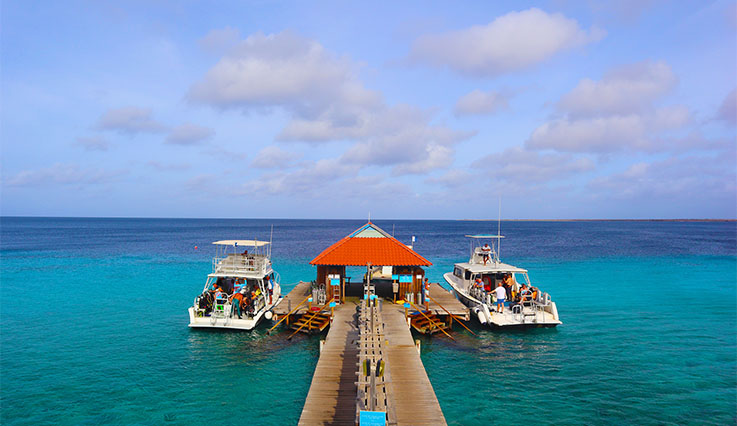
[{"x": 494, "y": 247}]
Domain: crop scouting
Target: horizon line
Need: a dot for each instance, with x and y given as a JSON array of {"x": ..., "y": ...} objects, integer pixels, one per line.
[{"x": 390, "y": 219}]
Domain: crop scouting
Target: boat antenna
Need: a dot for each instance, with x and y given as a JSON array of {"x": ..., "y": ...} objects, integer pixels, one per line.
[
  {"x": 499, "y": 232},
  {"x": 393, "y": 229},
  {"x": 271, "y": 238}
]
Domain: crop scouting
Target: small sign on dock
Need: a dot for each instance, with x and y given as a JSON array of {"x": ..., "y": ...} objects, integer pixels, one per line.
[{"x": 372, "y": 418}]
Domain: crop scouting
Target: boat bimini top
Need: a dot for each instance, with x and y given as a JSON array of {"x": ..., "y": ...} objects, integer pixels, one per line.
[
  {"x": 245, "y": 243},
  {"x": 491, "y": 268}
]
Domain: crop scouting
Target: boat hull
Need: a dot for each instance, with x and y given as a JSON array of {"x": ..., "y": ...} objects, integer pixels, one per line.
[
  {"x": 226, "y": 322},
  {"x": 487, "y": 316}
]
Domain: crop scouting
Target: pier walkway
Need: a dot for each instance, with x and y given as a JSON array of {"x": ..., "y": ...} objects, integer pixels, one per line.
[
  {"x": 333, "y": 392},
  {"x": 409, "y": 390},
  {"x": 332, "y": 395}
]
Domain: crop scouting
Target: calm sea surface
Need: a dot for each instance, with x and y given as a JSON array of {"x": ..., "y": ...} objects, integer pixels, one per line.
[{"x": 93, "y": 325}]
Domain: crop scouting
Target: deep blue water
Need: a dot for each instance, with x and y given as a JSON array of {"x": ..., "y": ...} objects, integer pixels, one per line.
[{"x": 93, "y": 324}]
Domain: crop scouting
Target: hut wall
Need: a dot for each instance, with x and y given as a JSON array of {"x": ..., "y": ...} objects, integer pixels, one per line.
[
  {"x": 323, "y": 271},
  {"x": 415, "y": 285}
]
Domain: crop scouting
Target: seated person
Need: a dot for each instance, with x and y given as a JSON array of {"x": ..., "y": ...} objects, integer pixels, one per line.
[
  {"x": 487, "y": 285},
  {"x": 525, "y": 294}
]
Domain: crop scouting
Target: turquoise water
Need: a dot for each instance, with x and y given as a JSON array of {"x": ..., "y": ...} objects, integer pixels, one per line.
[{"x": 93, "y": 325}]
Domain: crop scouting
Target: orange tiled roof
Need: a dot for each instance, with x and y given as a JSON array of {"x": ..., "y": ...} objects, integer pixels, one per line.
[{"x": 369, "y": 244}]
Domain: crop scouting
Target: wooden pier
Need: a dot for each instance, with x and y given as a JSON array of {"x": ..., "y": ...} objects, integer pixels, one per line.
[{"x": 334, "y": 393}]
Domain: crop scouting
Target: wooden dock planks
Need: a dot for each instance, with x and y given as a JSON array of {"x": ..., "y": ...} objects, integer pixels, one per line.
[
  {"x": 332, "y": 395},
  {"x": 295, "y": 295},
  {"x": 409, "y": 390},
  {"x": 448, "y": 300}
]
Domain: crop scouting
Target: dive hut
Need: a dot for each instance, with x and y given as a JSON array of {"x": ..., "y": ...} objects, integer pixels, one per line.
[{"x": 391, "y": 266}]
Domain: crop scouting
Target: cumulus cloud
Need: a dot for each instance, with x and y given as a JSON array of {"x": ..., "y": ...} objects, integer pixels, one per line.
[
  {"x": 728, "y": 110},
  {"x": 478, "y": 103},
  {"x": 311, "y": 178},
  {"x": 281, "y": 70},
  {"x": 329, "y": 179},
  {"x": 677, "y": 177},
  {"x": 189, "y": 134},
  {"x": 326, "y": 102},
  {"x": 519, "y": 165},
  {"x": 509, "y": 43},
  {"x": 273, "y": 157},
  {"x": 617, "y": 113},
  {"x": 93, "y": 143},
  {"x": 64, "y": 174},
  {"x": 623, "y": 90},
  {"x": 129, "y": 121}
]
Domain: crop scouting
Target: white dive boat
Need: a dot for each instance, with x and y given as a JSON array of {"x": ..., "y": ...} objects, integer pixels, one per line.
[
  {"x": 241, "y": 277},
  {"x": 527, "y": 307}
]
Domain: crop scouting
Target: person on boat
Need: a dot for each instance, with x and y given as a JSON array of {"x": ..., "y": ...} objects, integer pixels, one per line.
[
  {"x": 508, "y": 284},
  {"x": 501, "y": 295},
  {"x": 486, "y": 251},
  {"x": 478, "y": 283},
  {"x": 236, "y": 301},
  {"x": 525, "y": 294},
  {"x": 248, "y": 302},
  {"x": 427, "y": 294},
  {"x": 270, "y": 288}
]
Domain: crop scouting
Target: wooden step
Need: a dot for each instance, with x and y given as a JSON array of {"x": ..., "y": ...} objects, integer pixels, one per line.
[
  {"x": 428, "y": 323},
  {"x": 311, "y": 322}
]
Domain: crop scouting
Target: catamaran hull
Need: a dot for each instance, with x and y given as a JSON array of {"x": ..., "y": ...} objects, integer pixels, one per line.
[{"x": 494, "y": 319}]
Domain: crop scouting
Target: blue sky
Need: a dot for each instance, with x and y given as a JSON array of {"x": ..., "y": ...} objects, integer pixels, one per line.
[{"x": 420, "y": 110}]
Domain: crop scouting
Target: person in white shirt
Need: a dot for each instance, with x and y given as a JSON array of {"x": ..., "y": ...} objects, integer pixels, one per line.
[
  {"x": 501, "y": 294},
  {"x": 486, "y": 250}
]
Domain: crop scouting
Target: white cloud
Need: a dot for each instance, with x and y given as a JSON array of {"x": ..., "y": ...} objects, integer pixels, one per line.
[
  {"x": 678, "y": 178},
  {"x": 509, "y": 43},
  {"x": 728, "y": 110},
  {"x": 130, "y": 121},
  {"x": 618, "y": 113},
  {"x": 326, "y": 102},
  {"x": 478, "y": 102},
  {"x": 436, "y": 157},
  {"x": 189, "y": 134},
  {"x": 273, "y": 157},
  {"x": 310, "y": 179},
  {"x": 519, "y": 165},
  {"x": 64, "y": 174},
  {"x": 330, "y": 180},
  {"x": 623, "y": 90},
  {"x": 281, "y": 70},
  {"x": 93, "y": 143}
]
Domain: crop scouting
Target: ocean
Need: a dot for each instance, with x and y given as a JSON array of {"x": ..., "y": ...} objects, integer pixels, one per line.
[{"x": 93, "y": 324}]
